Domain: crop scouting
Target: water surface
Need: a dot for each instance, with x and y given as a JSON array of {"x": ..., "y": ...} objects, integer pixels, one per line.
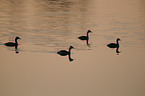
[{"x": 47, "y": 26}]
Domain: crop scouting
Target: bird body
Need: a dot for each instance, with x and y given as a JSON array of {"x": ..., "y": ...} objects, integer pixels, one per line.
[
  {"x": 64, "y": 52},
  {"x": 10, "y": 44},
  {"x": 83, "y": 37},
  {"x": 112, "y": 45}
]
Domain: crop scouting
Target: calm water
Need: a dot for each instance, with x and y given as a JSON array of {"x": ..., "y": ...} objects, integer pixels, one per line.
[{"x": 47, "y": 26}]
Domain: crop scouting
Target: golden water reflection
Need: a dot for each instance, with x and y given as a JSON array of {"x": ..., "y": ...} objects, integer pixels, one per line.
[{"x": 46, "y": 26}]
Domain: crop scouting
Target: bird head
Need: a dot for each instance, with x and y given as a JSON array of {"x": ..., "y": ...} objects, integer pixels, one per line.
[
  {"x": 71, "y": 47},
  {"x": 18, "y": 37},
  {"x": 118, "y": 39},
  {"x": 89, "y": 31}
]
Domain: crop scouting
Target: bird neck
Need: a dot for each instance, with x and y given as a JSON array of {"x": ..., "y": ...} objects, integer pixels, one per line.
[
  {"x": 88, "y": 35},
  {"x": 117, "y": 42},
  {"x": 70, "y": 50},
  {"x": 16, "y": 41}
]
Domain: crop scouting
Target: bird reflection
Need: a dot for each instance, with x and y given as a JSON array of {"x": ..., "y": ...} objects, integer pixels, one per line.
[
  {"x": 117, "y": 50},
  {"x": 65, "y": 53},
  {"x": 12, "y": 44},
  {"x": 16, "y": 49},
  {"x": 86, "y": 38},
  {"x": 115, "y": 45}
]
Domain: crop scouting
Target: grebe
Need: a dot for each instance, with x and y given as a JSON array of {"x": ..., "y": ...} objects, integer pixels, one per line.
[
  {"x": 85, "y": 37},
  {"x": 12, "y": 44},
  {"x": 114, "y": 45}
]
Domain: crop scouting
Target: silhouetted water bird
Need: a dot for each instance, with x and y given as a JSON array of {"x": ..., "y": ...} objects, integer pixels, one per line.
[
  {"x": 12, "y": 44},
  {"x": 85, "y": 37},
  {"x": 64, "y": 52},
  {"x": 114, "y": 45}
]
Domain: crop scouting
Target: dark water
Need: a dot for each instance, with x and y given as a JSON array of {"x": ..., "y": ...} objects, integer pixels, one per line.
[{"x": 47, "y": 26}]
